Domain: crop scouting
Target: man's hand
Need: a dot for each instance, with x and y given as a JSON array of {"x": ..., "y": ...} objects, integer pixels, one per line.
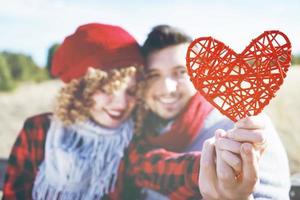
[
  {"x": 229, "y": 164},
  {"x": 216, "y": 182}
]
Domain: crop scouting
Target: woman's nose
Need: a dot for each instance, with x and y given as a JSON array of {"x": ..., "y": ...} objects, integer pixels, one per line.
[{"x": 121, "y": 99}]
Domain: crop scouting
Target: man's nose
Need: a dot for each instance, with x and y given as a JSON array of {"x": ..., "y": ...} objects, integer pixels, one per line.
[{"x": 169, "y": 84}]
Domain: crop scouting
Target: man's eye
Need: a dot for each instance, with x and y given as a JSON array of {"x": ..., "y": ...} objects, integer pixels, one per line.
[
  {"x": 180, "y": 73},
  {"x": 183, "y": 71},
  {"x": 152, "y": 76}
]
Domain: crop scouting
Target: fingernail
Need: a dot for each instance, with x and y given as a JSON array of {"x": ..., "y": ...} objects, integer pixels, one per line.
[
  {"x": 222, "y": 133},
  {"x": 241, "y": 122},
  {"x": 230, "y": 134},
  {"x": 218, "y": 133},
  {"x": 247, "y": 148}
]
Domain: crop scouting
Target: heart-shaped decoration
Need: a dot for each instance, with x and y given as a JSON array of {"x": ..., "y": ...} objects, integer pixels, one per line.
[{"x": 239, "y": 85}]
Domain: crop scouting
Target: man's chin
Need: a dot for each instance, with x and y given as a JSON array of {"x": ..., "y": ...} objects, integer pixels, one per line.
[
  {"x": 163, "y": 112},
  {"x": 167, "y": 115}
]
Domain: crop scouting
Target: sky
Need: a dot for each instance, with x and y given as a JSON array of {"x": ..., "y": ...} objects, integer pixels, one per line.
[{"x": 32, "y": 26}]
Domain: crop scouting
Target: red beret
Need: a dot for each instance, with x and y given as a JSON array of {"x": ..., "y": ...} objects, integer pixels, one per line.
[{"x": 95, "y": 45}]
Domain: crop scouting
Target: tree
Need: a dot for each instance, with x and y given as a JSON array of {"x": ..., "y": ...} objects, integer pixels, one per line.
[
  {"x": 296, "y": 60},
  {"x": 21, "y": 66},
  {"x": 6, "y": 81},
  {"x": 51, "y": 52}
]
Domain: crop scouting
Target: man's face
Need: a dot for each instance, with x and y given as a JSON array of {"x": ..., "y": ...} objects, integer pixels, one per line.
[{"x": 168, "y": 85}]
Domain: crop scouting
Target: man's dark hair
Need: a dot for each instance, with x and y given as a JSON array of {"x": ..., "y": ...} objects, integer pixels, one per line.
[{"x": 163, "y": 36}]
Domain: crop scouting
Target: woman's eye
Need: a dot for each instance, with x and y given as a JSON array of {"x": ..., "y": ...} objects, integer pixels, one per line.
[
  {"x": 104, "y": 90},
  {"x": 131, "y": 91}
]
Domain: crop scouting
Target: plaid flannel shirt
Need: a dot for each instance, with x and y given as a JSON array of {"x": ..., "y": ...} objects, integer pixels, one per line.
[{"x": 175, "y": 175}]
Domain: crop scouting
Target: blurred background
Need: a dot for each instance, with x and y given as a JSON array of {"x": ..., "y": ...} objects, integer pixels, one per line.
[{"x": 31, "y": 30}]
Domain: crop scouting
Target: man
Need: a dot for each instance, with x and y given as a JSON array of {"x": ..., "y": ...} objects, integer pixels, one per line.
[{"x": 180, "y": 120}]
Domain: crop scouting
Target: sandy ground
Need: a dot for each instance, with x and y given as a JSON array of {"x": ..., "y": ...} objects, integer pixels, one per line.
[
  {"x": 284, "y": 111},
  {"x": 30, "y": 99}
]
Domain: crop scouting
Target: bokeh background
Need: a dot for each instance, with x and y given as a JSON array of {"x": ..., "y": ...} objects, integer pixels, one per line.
[{"x": 31, "y": 30}]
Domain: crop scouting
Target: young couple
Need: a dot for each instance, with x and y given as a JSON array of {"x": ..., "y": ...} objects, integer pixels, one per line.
[{"x": 114, "y": 132}]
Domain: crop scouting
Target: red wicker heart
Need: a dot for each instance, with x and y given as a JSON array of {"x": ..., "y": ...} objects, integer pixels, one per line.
[{"x": 239, "y": 85}]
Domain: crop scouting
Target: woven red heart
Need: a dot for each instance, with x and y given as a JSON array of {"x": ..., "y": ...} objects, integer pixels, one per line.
[{"x": 239, "y": 85}]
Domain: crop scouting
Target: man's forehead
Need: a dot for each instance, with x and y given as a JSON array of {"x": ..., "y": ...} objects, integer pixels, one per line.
[
  {"x": 173, "y": 49},
  {"x": 175, "y": 53},
  {"x": 175, "y": 67}
]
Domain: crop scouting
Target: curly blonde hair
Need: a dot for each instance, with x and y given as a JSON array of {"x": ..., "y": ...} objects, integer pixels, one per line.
[
  {"x": 142, "y": 109},
  {"x": 74, "y": 101}
]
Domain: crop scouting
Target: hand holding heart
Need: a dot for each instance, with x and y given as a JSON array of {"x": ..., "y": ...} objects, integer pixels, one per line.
[
  {"x": 238, "y": 85},
  {"x": 229, "y": 162}
]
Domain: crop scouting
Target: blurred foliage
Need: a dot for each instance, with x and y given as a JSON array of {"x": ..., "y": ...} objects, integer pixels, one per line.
[
  {"x": 6, "y": 81},
  {"x": 16, "y": 68},
  {"x": 21, "y": 66},
  {"x": 51, "y": 52},
  {"x": 296, "y": 59}
]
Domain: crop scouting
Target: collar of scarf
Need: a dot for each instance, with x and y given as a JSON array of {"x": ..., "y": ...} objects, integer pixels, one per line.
[
  {"x": 81, "y": 161},
  {"x": 178, "y": 134}
]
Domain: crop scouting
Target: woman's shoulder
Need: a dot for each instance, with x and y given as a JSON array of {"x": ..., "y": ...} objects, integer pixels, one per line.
[
  {"x": 38, "y": 120},
  {"x": 40, "y": 116},
  {"x": 36, "y": 126}
]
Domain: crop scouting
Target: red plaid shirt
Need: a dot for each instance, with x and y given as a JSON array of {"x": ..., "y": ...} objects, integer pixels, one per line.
[{"x": 175, "y": 175}]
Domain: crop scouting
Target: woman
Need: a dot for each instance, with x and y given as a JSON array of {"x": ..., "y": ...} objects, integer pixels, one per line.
[{"x": 77, "y": 152}]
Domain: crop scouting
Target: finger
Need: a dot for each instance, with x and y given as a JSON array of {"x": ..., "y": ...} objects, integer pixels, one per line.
[
  {"x": 262, "y": 148},
  {"x": 228, "y": 145},
  {"x": 225, "y": 173},
  {"x": 257, "y": 137},
  {"x": 250, "y": 166},
  {"x": 251, "y": 122},
  {"x": 207, "y": 175},
  {"x": 233, "y": 161}
]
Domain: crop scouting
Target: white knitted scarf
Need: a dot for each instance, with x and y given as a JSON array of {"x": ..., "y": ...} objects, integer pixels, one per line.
[{"x": 81, "y": 161}]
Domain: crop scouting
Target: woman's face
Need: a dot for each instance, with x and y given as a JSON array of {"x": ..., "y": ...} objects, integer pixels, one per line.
[{"x": 110, "y": 110}]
